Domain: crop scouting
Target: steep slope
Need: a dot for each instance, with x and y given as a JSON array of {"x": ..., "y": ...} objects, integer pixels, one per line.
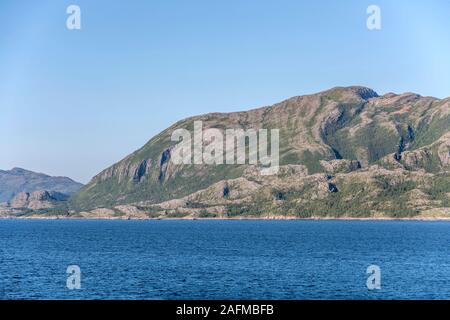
[
  {"x": 19, "y": 180},
  {"x": 342, "y": 151}
]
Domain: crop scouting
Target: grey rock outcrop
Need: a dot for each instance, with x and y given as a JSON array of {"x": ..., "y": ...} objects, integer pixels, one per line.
[{"x": 36, "y": 200}]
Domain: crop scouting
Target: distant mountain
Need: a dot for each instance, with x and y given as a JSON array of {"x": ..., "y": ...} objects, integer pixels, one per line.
[
  {"x": 17, "y": 180},
  {"x": 343, "y": 152}
]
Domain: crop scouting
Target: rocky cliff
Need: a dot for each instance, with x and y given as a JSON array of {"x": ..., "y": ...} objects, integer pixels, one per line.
[{"x": 38, "y": 200}]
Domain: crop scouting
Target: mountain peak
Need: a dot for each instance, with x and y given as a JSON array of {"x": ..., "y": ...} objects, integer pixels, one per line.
[
  {"x": 351, "y": 92},
  {"x": 18, "y": 170}
]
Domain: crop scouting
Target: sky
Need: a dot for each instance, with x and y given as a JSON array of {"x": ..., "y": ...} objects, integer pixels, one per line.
[{"x": 73, "y": 102}]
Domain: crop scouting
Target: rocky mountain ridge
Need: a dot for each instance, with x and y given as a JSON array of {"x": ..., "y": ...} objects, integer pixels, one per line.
[{"x": 343, "y": 152}]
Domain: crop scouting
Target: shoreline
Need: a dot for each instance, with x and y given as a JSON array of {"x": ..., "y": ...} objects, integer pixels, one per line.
[{"x": 275, "y": 218}]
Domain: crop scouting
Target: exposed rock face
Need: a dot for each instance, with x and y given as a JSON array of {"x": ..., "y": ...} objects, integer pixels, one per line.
[
  {"x": 20, "y": 200},
  {"x": 163, "y": 164},
  {"x": 443, "y": 150},
  {"x": 342, "y": 151},
  {"x": 141, "y": 170},
  {"x": 342, "y": 165},
  {"x": 19, "y": 180},
  {"x": 126, "y": 171},
  {"x": 36, "y": 200}
]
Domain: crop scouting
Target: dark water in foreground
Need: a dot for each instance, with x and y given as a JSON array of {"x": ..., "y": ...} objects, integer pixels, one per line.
[{"x": 224, "y": 259}]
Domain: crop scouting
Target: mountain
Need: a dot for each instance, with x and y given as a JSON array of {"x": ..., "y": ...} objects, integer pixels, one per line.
[
  {"x": 38, "y": 200},
  {"x": 343, "y": 152},
  {"x": 20, "y": 180}
]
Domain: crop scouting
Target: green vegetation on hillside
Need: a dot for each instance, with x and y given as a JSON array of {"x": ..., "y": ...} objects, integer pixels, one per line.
[{"x": 395, "y": 138}]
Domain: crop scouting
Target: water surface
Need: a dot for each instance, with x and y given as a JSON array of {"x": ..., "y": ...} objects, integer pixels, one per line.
[{"x": 179, "y": 259}]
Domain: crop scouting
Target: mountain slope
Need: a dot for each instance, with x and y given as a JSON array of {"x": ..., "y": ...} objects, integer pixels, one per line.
[
  {"x": 19, "y": 180},
  {"x": 342, "y": 151}
]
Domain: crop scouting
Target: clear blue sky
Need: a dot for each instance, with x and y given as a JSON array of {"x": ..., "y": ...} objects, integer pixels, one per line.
[{"x": 74, "y": 102}]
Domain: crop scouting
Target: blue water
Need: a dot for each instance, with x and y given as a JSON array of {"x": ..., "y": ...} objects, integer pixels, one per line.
[{"x": 224, "y": 259}]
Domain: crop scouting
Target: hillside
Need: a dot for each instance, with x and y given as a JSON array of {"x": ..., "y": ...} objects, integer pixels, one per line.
[
  {"x": 343, "y": 152},
  {"x": 20, "y": 180}
]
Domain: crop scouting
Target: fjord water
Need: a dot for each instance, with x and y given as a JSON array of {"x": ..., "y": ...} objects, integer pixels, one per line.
[{"x": 209, "y": 259}]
